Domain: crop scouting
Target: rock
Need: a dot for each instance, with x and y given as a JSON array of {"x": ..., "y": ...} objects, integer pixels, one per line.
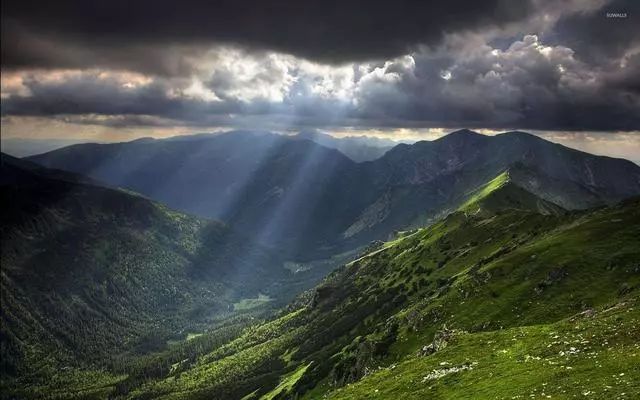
[
  {"x": 439, "y": 373},
  {"x": 427, "y": 350},
  {"x": 588, "y": 313},
  {"x": 440, "y": 341}
]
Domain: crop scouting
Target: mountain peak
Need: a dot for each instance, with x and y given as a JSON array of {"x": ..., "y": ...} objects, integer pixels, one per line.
[
  {"x": 502, "y": 193},
  {"x": 464, "y": 132},
  {"x": 461, "y": 135}
]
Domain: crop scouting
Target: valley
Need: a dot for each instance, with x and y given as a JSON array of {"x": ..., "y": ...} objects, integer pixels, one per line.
[
  {"x": 90, "y": 274},
  {"x": 469, "y": 266}
]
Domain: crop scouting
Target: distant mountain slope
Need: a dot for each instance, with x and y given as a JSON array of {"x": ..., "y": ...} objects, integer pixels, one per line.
[
  {"x": 357, "y": 148},
  {"x": 421, "y": 182},
  {"x": 24, "y": 147},
  {"x": 211, "y": 169},
  {"x": 564, "y": 192},
  {"x": 88, "y": 272},
  {"x": 612, "y": 179},
  {"x": 300, "y": 198},
  {"x": 279, "y": 190},
  {"x": 16, "y": 170},
  {"x": 491, "y": 304},
  {"x": 314, "y": 201}
]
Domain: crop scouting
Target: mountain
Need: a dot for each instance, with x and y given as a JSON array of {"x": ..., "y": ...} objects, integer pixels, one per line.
[
  {"x": 20, "y": 147},
  {"x": 279, "y": 190},
  {"x": 419, "y": 183},
  {"x": 357, "y": 148},
  {"x": 313, "y": 201},
  {"x": 493, "y": 304},
  {"x": 504, "y": 292},
  {"x": 16, "y": 171},
  {"x": 601, "y": 179},
  {"x": 209, "y": 168},
  {"x": 300, "y": 198},
  {"x": 89, "y": 273}
]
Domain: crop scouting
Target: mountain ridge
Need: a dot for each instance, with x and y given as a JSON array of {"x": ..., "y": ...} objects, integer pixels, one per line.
[
  {"x": 358, "y": 148},
  {"x": 320, "y": 202},
  {"x": 441, "y": 295}
]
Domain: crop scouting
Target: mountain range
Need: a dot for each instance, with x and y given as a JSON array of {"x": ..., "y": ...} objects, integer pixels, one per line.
[
  {"x": 471, "y": 266},
  {"x": 357, "y": 148},
  {"x": 314, "y": 201},
  {"x": 24, "y": 147}
]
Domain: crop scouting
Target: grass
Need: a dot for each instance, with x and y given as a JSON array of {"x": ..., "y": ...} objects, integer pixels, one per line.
[
  {"x": 485, "y": 190},
  {"x": 66, "y": 383},
  {"x": 249, "y": 304},
  {"x": 190, "y": 336},
  {"x": 506, "y": 283},
  {"x": 580, "y": 357},
  {"x": 501, "y": 194},
  {"x": 287, "y": 384}
]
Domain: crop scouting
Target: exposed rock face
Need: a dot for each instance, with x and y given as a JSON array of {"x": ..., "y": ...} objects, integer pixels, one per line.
[
  {"x": 440, "y": 341},
  {"x": 361, "y": 357}
]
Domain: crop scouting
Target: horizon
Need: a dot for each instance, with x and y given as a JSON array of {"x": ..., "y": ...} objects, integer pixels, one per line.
[{"x": 622, "y": 145}]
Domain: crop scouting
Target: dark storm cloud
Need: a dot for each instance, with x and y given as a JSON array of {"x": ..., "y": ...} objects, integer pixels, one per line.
[
  {"x": 128, "y": 33},
  {"x": 23, "y": 47},
  {"x": 599, "y": 36},
  {"x": 498, "y": 64},
  {"x": 89, "y": 98},
  {"x": 527, "y": 86},
  {"x": 90, "y": 94}
]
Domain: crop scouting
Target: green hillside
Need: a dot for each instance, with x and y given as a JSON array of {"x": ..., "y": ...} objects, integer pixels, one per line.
[
  {"x": 108, "y": 294},
  {"x": 450, "y": 310},
  {"x": 501, "y": 193},
  {"x": 593, "y": 355},
  {"x": 93, "y": 278}
]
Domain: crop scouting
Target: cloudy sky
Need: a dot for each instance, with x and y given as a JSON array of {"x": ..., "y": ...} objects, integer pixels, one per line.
[{"x": 113, "y": 70}]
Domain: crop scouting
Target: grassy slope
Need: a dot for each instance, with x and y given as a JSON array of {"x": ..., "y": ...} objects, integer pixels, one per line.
[
  {"x": 287, "y": 384},
  {"x": 482, "y": 274},
  {"x": 502, "y": 194},
  {"x": 585, "y": 356},
  {"x": 91, "y": 276},
  {"x": 584, "y": 262}
]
